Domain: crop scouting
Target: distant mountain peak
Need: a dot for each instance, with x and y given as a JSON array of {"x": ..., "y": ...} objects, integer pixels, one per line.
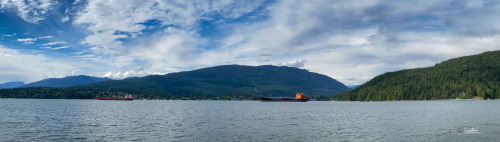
[
  {"x": 66, "y": 81},
  {"x": 352, "y": 86},
  {"x": 12, "y": 84}
]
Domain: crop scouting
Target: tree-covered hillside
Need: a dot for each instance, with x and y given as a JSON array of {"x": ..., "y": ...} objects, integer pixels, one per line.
[
  {"x": 231, "y": 79},
  {"x": 460, "y": 78},
  {"x": 220, "y": 82}
]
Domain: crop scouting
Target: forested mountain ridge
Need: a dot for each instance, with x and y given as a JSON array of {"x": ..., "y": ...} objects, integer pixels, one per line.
[
  {"x": 459, "y": 78},
  {"x": 219, "y": 82},
  {"x": 232, "y": 79}
]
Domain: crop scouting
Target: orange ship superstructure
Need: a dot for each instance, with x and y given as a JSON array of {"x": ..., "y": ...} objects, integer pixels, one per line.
[{"x": 300, "y": 97}]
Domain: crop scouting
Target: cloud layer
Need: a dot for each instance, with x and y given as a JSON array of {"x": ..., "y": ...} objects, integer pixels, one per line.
[
  {"x": 351, "y": 41},
  {"x": 31, "y": 11},
  {"x": 18, "y": 66}
]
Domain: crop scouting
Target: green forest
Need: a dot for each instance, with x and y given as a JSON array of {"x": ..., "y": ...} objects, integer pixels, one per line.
[
  {"x": 476, "y": 76},
  {"x": 228, "y": 82},
  {"x": 91, "y": 93}
]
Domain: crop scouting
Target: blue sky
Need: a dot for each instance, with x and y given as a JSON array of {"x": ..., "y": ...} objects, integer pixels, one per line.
[{"x": 351, "y": 41}]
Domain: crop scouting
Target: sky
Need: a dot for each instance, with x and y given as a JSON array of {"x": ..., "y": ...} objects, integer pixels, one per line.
[{"x": 350, "y": 41}]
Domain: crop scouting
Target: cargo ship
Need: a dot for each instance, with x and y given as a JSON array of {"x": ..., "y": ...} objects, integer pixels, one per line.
[
  {"x": 298, "y": 98},
  {"x": 126, "y": 98}
]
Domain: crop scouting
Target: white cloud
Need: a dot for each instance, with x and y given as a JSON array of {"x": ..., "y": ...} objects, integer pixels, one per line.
[
  {"x": 56, "y": 48},
  {"x": 45, "y": 37},
  {"x": 7, "y": 35},
  {"x": 26, "y": 39},
  {"x": 105, "y": 19},
  {"x": 31, "y": 11},
  {"x": 28, "y": 66},
  {"x": 65, "y": 19},
  {"x": 54, "y": 43},
  {"x": 295, "y": 63},
  {"x": 129, "y": 73},
  {"x": 77, "y": 1},
  {"x": 175, "y": 47},
  {"x": 16, "y": 65},
  {"x": 128, "y": 16},
  {"x": 56, "y": 75}
]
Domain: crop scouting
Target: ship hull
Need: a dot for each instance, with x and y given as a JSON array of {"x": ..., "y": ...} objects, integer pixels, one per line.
[
  {"x": 269, "y": 99},
  {"x": 121, "y": 99}
]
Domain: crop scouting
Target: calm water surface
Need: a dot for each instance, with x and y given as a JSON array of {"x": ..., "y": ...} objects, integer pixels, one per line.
[{"x": 92, "y": 120}]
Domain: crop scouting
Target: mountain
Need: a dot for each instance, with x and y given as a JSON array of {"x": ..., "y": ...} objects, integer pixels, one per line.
[
  {"x": 225, "y": 82},
  {"x": 134, "y": 77},
  {"x": 66, "y": 81},
  {"x": 352, "y": 86},
  {"x": 11, "y": 84},
  {"x": 470, "y": 77},
  {"x": 230, "y": 80}
]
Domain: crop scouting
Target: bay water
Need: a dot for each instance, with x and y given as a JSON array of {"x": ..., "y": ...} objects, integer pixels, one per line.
[{"x": 175, "y": 120}]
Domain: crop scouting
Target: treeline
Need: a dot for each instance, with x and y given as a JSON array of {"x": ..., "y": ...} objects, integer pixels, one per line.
[
  {"x": 92, "y": 93},
  {"x": 468, "y": 77}
]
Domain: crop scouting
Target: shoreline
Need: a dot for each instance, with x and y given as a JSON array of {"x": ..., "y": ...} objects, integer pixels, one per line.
[{"x": 456, "y": 99}]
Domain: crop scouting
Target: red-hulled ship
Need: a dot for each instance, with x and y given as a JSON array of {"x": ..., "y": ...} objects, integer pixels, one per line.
[
  {"x": 126, "y": 98},
  {"x": 298, "y": 98}
]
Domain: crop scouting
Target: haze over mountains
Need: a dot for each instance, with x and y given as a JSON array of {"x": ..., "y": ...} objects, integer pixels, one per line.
[
  {"x": 476, "y": 76},
  {"x": 66, "y": 81},
  {"x": 13, "y": 84}
]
